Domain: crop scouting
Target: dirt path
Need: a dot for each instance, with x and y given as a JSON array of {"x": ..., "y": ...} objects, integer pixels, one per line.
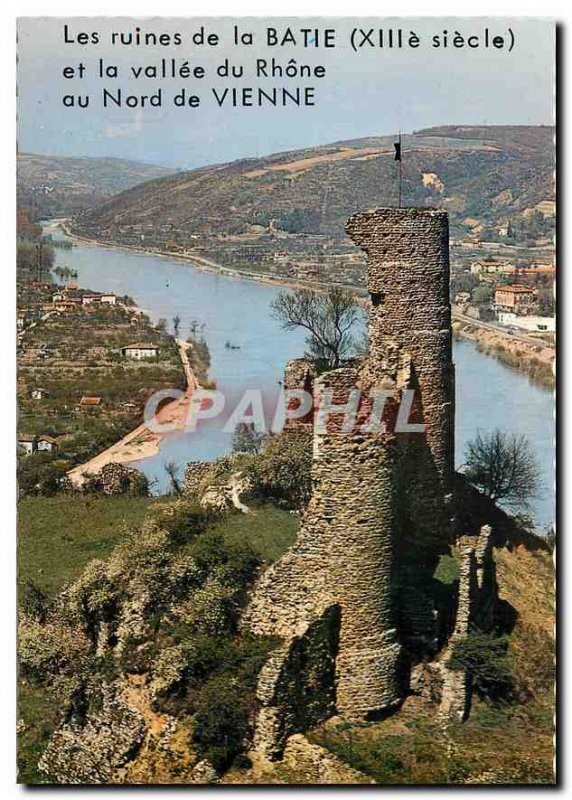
[{"x": 142, "y": 442}]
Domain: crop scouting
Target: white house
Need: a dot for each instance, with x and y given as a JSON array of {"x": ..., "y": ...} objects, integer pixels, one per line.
[
  {"x": 22, "y": 320},
  {"x": 534, "y": 324},
  {"x": 26, "y": 443},
  {"x": 140, "y": 351},
  {"x": 39, "y": 394},
  {"x": 108, "y": 299},
  {"x": 90, "y": 299},
  {"x": 46, "y": 443}
]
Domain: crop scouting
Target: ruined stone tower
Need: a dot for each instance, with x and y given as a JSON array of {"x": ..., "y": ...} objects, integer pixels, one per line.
[{"x": 351, "y": 600}]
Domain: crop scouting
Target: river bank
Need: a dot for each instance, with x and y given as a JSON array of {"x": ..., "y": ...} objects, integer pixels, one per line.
[
  {"x": 536, "y": 361},
  {"x": 203, "y": 264},
  {"x": 531, "y": 359},
  {"x": 228, "y": 308},
  {"x": 142, "y": 442}
]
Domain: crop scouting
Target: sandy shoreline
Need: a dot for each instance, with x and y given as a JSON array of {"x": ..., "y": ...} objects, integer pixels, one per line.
[{"x": 142, "y": 442}]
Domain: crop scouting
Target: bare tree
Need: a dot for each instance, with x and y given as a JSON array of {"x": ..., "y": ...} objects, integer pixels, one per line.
[
  {"x": 176, "y": 324},
  {"x": 330, "y": 320},
  {"x": 503, "y": 466},
  {"x": 172, "y": 471}
]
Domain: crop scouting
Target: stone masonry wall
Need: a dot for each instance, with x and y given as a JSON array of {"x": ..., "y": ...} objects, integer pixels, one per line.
[
  {"x": 375, "y": 490},
  {"x": 299, "y": 375},
  {"x": 476, "y": 602},
  {"x": 408, "y": 281}
]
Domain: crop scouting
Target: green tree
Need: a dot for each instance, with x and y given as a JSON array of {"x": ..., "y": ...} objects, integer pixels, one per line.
[
  {"x": 221, "y": 724},
  {"x": 484, "y": 657},
  {"x": 247, "y": 439},
  {"x": 176, "y": 325},
  {"x": 482, "y": 293},
  {"x": 282, "y": 472}
]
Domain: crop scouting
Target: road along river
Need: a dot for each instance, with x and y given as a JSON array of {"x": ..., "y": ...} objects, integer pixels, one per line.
[{"x": 249, "y": 349}]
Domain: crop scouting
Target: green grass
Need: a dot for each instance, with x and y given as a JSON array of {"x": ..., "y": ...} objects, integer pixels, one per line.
[
  {"x": 268, "y": 530},
  {"x": 38, "y": 711},
  {"x": 447, "y": 570},
  {"x": 58, "y": 536}
]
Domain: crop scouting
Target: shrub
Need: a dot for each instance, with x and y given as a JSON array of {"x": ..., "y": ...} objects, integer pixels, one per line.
[
  {"x": 282, "y": 473},
  {"x": 484, "y": 656},
  {"x": 45, "y": 651},
  {"x": 183, "y": 518},
  {"x": 236, "y": 562},
  {"x": 35, "y": 603},
  {"x": 221, "y": 726},
  {"x": 39, "y": 474}
]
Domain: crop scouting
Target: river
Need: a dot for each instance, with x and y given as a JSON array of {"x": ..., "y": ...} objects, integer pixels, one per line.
[{"x": 234, "y": 310}]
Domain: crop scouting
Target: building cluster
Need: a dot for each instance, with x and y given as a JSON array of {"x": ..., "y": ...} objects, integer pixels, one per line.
[
  {"x": 42, "y": 443},
  {"x": 69, "y": 298},
  {"x": 38, "y": 299}
]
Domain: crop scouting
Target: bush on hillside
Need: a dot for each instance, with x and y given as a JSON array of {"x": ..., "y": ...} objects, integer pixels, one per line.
[
  {"x": 221, "y": 726},
  {"x": 484, "y": 657},
  {"x": 282, "y": 473}
]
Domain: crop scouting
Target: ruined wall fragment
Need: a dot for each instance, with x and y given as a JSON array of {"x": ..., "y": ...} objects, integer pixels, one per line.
[
  {"x": 379, "y": 515},
  {"x": 476, "y": 605}
]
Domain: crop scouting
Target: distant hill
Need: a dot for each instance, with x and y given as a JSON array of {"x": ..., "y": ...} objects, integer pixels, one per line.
[
  {"x": 284, "y": 214},
  {"x": 60, "y": 186}
]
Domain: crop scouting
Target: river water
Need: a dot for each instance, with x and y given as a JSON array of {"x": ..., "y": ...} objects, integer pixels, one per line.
[{"x": 236, "y": 311}]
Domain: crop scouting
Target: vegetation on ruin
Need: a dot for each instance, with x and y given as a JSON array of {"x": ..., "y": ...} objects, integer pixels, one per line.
[
  {"x": 330, "y": 321},
  {"x": 484, "y": 657},
  {"x": 187, "y": 570}
]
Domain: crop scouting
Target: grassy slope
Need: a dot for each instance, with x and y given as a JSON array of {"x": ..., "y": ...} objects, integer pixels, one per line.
[
  {"x": 475, "y": 164},
  {"x": 59, "y": 535},
  {"x": 511, "y": 743},
  {"x": 269, "y": 531}
]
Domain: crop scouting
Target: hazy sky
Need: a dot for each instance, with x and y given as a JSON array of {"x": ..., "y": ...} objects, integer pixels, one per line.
[{"x": 370, "y": 92}]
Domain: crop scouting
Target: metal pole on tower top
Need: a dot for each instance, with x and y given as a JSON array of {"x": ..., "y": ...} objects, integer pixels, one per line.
[
  {"x": 400, "y": 172},
  {"x": 397, "y": 146}
]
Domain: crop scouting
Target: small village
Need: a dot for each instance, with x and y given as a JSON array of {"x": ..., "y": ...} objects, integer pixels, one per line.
[{"x": 87, "y": 364}]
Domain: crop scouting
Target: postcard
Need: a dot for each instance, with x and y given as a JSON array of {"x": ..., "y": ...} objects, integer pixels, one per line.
[{"x": 286, "y": 438}]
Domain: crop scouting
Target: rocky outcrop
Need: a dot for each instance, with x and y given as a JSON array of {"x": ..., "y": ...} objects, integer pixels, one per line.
[
  {"x": 226, "y": 495},
  {"x": 116, "y": 479},
  {"x": 91, "y": 749},
  {"x": 195, "y": 472}
]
